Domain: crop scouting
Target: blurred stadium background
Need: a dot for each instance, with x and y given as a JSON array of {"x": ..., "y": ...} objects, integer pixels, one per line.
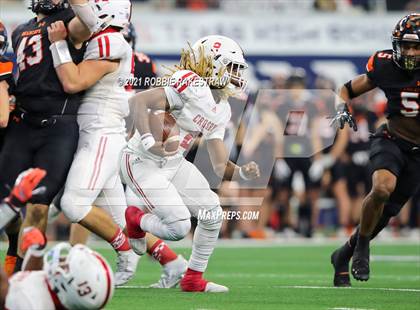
[{"x": 288, "y": 44}]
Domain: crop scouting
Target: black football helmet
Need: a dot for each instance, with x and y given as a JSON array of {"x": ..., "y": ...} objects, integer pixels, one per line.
[
  {"x": 130, "y": 35},
  {"x": 47, "y": 7},
  {"x": 406, "y": 31},
  {"x": 4, "y": 43}
]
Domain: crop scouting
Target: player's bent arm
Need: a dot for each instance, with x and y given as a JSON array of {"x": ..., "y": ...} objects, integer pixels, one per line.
[
  {"x": 78, "y": 32},
  {"x": 75, "y": 78},
  {"x": 4, "y": 104},
  {"x": 154, "y": 99},
  {"x": 358, "y": 86},
  {"x": 219, "y": 158}
]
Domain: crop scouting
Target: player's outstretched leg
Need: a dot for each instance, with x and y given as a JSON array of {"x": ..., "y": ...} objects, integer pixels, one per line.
[
  {"x": 205, "y": 238},
  {"x": 384, "y": 183}
]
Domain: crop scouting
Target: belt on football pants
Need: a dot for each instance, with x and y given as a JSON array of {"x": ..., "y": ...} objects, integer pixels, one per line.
[{"x": 42, "y": 121}]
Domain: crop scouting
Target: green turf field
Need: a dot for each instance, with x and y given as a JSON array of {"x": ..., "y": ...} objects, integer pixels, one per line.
[
  {"x": 285, "y": 277},
  {"x": 297, "y": 277}
]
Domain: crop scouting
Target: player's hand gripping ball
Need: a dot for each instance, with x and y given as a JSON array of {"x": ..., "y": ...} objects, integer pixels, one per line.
[
  {"x": 165, "y": 131},
  {"x": 57, "y": 31}
]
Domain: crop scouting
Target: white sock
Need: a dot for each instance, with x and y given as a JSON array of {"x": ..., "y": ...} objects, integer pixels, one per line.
[
  {"x": 203, "y": 244},
  {"x": 167, "y": 231}
]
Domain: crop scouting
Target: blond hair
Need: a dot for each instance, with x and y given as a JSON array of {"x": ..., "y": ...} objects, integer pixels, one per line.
[{"x": 203, "y": 67}]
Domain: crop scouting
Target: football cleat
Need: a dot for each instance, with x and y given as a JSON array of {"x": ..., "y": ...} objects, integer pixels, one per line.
[
  {"x": 193, "y": 282},
  {"x": 126, "y": 266},
  {"x": 360, "y": 264},
  {"x": 136, "y": 236},
  {"x": 341, "y": 278},
  {"x": 172, "y": 273},
  {"x": 212, "y": 287}
]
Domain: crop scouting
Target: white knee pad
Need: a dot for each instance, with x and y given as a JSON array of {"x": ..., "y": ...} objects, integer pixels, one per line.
[
  {"x": 178, "y": 230},
  {"x": 213, "y": 219},
  {"x": 75, "y": 212}
]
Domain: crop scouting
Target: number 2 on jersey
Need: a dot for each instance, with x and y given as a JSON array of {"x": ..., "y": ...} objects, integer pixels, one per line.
[
  {"x": 411, "y": 107},
  {"x": 24, "y": 60}
]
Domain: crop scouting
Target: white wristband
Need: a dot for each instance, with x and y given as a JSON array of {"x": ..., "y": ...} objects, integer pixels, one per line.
[
  {"x": 147, "y": 141},
  {"x": 60, "y": 53},
  {"x": 242, "y": 175}
]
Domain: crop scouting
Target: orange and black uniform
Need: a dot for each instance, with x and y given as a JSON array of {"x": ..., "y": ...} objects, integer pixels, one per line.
[
  {"x": 399, "y": 156},
  {"x": 6, "y": 74},
  {"x": 43, "y": 131}
]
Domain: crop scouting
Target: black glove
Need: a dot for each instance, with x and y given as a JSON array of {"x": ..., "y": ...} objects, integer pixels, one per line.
[{"x": 343, "y": 116}]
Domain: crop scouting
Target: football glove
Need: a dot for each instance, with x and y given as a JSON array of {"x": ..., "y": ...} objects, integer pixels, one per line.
[
  {"x": 33, "y": 237},
  {"x": 25, "y": 187},
  {"x": 343, "y": 116}
]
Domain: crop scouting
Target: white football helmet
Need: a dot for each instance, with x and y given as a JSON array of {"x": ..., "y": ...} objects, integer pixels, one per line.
[
  {"x": 227, "y": 56},
  {"x": 119, "y": 10},
  {"x": 81, "y": 278}
]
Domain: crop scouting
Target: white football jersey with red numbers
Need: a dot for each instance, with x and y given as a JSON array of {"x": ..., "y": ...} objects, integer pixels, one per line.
[
  {"x": 106, "y": 102},
  {"x": 28, "y": 290},
  {"x": 195, "y": 110}
]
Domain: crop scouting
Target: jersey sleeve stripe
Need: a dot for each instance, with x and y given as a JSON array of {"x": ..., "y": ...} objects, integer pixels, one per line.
[
  {"x": 369, "y": 65},
  {"x": 6, "y": 68},
  {"x": 107, "y": 46},
  {"x": 181, "y": 79},
  {"x": 186, "y": 84},
  {"x": 108, "y": 280},
  {"x": 101, "y": 48}
]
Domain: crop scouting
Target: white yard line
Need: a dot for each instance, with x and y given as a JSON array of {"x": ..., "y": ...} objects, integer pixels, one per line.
[
  {"x": 411, "y": 290},
  {"x": 345, "y": 308},
  {"x": 396, "y": 258}
]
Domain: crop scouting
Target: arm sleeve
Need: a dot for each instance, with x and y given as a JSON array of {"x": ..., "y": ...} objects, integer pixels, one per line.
[
  {"x": 6, "y": 70},
  {"x": 370, "y": 68},
  {"x": 105, "y": 47},
  {"x": 219, "y": 133}
]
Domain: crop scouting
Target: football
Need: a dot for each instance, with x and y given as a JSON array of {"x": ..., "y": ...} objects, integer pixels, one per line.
[{"x": 164, "y": 128}]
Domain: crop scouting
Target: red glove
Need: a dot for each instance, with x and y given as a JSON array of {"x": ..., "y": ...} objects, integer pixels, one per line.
[
  {"x": 32, "y": 236},
  {"x": 25, "y": 186}
]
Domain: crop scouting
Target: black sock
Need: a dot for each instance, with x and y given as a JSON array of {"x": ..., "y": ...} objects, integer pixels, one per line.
[
  {"x": 345, "y": 253},
  {"x": 363, "y": 242},
  {"x": 18, "y": 266},
  {"x": 13, "y": 244}
]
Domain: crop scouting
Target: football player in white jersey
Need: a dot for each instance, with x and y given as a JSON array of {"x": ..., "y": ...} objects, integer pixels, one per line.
[
  {"x": 173, "y": 189},
  {"x": 93, "y": 179},
  {"x": 63, "y": 278}
]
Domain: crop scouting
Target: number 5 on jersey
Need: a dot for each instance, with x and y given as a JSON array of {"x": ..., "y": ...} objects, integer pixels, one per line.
[{"x": 411, "y": 107}]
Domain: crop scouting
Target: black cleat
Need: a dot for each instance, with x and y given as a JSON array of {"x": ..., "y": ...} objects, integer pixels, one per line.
[
  {"x": 341, "y": 273},
  {"x": 360, "y": 265}
]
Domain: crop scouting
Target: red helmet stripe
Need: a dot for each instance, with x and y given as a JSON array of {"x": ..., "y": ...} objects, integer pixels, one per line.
[{"x": 108, "y": 279}]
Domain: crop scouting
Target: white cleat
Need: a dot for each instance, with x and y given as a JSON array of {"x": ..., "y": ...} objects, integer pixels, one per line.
[
  {"x": 212, "y": 287},
  {"x": 126, "y": 266},
  {"x": 172, "y": 273},
  {"x": 138, "y": 245}
]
